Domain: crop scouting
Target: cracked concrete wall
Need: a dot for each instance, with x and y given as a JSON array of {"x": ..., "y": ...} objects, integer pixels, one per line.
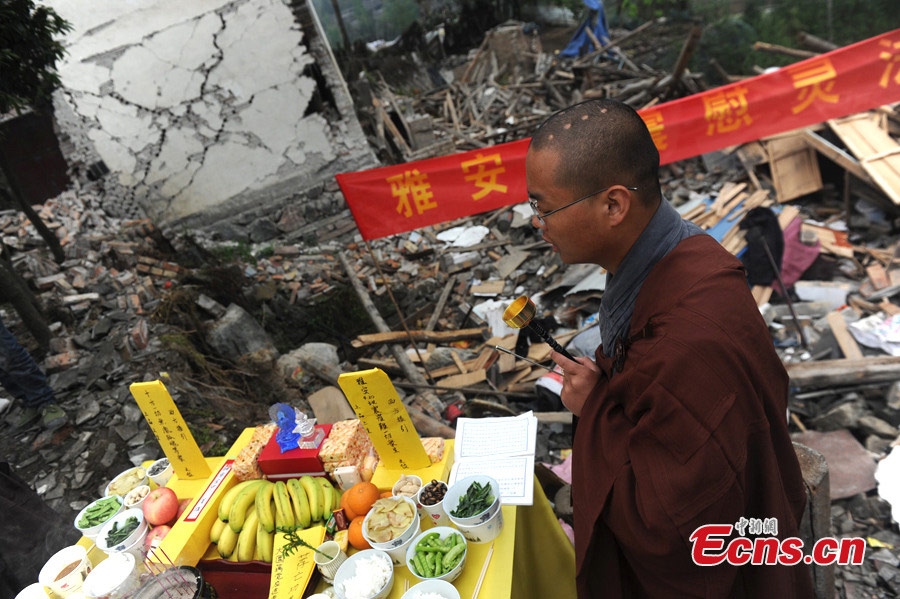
[{"x": 205, "y": 108}]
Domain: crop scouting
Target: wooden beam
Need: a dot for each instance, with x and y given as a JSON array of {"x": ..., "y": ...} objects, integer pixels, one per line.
[
  {"x": 429, "y": 336},
  {"x": 842, "y": 334},
  {"x": 838, "y": 155},
  {"x": 826, "y": 373}
]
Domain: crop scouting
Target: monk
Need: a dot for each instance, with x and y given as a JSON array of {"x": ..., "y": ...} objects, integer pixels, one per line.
[{"x": 682, "y": 414}]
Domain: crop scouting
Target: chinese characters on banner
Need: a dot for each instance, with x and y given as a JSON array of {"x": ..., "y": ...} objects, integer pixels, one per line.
[
  {"x": 865, "y": 75},
  {"x": 291, "y": 574},
  {"x": 383, "y": 415},
  {"x": 170, "y": 429}
]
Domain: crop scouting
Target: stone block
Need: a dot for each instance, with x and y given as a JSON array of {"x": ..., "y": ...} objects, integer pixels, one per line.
[{"x": 237, "y": 334}]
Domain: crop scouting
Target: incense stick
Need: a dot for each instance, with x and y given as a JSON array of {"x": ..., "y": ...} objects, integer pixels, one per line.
[
  {"x": 153, "y": 573},
  {"x": 529, "y": 360},
  {"x": 487, "y": 560},
  {"x": 187, "y": 587}
]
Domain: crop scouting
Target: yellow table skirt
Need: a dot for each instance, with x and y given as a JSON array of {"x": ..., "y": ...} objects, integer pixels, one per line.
[{"x": 532, "y": 559}]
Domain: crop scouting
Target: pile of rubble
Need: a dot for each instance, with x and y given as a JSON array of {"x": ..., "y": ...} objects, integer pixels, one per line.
[{"x": 507, "y": 86}]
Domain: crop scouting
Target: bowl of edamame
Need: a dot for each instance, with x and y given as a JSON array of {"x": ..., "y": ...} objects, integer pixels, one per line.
[{"x": 439, "y": 553}]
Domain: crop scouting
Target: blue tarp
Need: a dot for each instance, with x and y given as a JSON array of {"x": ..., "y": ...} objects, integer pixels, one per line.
[{"x": 580, "y": 43}]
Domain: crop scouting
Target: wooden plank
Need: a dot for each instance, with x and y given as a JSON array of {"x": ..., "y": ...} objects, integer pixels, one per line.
[
  {"x": 878, "y": 276},
  {"x": 889, "y": 307},
  {"x": 874, "y": 148},
  {"x": 842, "y": 334},
  {"x": 429, "y": 336},
  {"x": 488, "y": 288},
  {"x": 795, "y": 170},
  {"x": 459, "y": 363},
  {"x": 464, "y": 380},
  {"x": 761, "y": 294},
  {"x": 838, "y": 155}
]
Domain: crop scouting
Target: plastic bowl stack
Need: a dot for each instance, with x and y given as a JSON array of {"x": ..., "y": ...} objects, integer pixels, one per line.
[
  {"x": 483, "y": 527},
  {"x": 349, "y": 582}
]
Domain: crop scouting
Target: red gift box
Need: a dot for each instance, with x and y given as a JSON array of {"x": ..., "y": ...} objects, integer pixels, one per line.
[{"x": 293, "y": 463}]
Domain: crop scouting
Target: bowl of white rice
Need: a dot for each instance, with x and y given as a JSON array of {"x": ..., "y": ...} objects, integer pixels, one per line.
[
  {"x": 368, "y": 574},
  {"x": 432, "y": 589}
]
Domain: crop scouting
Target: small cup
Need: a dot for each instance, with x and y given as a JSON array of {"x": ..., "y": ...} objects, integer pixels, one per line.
[
  {"x": 131, "y": 496},
  {"x": 434, "y": 512},
  {"x": 71, "y": 582},
  {"x": 327, "y": 567},
  {"x": 162, "y": 477}
]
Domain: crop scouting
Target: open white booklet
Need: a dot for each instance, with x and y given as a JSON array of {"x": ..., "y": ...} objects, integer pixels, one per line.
[{"x": 502, "y": 448}]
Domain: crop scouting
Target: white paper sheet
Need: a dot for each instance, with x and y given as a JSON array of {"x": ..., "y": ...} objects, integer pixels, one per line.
[
  {"x": 502, "y": 448},
  {"x": 502, "y": 436}
]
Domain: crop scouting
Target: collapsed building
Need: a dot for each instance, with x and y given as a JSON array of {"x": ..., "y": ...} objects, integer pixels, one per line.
[{"x": 191, "y": 113}]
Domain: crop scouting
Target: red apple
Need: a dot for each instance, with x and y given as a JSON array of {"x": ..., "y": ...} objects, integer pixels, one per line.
[
  {"x": 155, "y": 536},
  {"x": 160, "y": 506},
  {"x": 182, "y": 507}
]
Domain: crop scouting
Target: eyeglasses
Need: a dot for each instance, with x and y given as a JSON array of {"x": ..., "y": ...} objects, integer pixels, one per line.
[{"x": 543, "y": 215}]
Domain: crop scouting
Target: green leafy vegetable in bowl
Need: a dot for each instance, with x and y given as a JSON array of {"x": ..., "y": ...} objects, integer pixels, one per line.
[
  {"x": 477, "y": 499},
  {"x": 117, "y": 535},
  {"x": 99, "y": 513}
]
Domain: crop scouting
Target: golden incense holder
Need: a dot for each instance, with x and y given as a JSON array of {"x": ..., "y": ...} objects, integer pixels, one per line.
[{"x": 520, "y": 314}]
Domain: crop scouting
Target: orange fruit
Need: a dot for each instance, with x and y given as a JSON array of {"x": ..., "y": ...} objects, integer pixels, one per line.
[
  {"x": 386, "y": 495},
  {"x": 361, "y": 496},
  {"x": 347, "y": 511},
  {"x": 355, "y": 536}
]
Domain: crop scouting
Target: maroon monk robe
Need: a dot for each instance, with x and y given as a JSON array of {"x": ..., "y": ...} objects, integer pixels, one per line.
[{"x": 691, "y": 431}]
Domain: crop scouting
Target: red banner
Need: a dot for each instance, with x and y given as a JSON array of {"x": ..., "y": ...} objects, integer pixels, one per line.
[{"x": 393, "y": 199}]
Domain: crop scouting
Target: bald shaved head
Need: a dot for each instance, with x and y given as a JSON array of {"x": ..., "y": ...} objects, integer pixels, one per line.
[{"x": 601, "y": 143}]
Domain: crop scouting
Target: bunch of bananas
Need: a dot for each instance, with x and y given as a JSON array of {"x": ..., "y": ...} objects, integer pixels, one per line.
[{"x": 250, "y": 512}]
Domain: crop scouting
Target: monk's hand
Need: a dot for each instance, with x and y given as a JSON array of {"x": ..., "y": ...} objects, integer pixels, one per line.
[{"x": 579, "y": 378}]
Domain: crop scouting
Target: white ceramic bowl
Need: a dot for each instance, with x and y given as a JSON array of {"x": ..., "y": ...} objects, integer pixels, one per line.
[
  {"x": 438, "y": 587},
  {"x": 459, "y": 488},
  {"x": 404, "y": 537},
  {"x": 142, "y": 480},
  {"x": 139, "y": 533},
  {"x": 91, "y": 531},
  {"x": 484, "y": 532},
  {"x": 443, "y": 532},
  {"x": 116, "y": 576},
  {"x": 162, "y": 477},
  {"x": 131, "y": 502},
  {"x": 348, "y": 571},
  {"x": 73, "y": 581}
]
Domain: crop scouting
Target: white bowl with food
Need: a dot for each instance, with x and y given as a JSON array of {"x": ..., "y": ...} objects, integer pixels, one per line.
[
  {"x": 160, "y": 472},
  {"x": 135, "y": 497},
  {"x": 65, "y": 571},
  {"x": 485, "y": 531},
  {"x": 368, "y": 574},
  {"x": 121, "y": 533},
  {"x": 432, "y": 589},
  {"x": 125, "y": 481},
  {"x": 452, "y": 549},
  {"x": 407, "y": 485},
  {"x": 472, "y": 500},
  {"x": 91, "y": 519},
  {"x": 390, "y": 526}
]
